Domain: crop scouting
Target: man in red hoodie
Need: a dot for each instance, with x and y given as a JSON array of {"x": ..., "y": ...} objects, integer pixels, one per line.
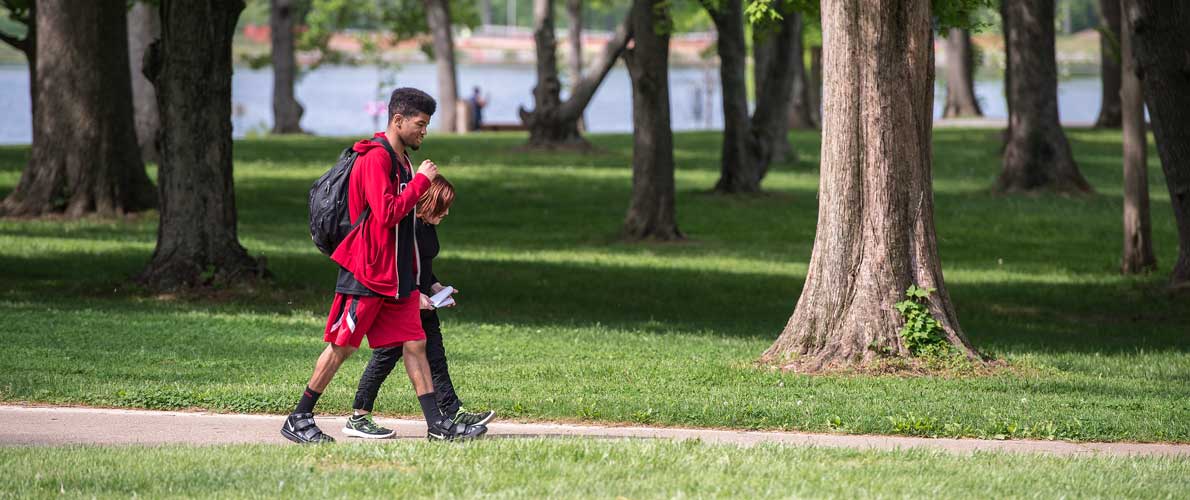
[{"x": 376, "y": 293}]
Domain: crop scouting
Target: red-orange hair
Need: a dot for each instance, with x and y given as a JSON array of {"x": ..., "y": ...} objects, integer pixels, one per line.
[{"x": 437, "y": 199}]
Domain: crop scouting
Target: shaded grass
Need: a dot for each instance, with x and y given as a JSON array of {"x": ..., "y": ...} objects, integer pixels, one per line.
[
  {"x": 574, "y": 468},
  {"x": 560, "y": 320}
]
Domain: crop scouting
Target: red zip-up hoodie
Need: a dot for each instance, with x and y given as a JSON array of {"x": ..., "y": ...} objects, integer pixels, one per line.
[{"x": 370, "y": 250}]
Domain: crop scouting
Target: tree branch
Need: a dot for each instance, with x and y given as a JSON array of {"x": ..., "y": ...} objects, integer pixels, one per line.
[
  {"x": 21, "y": 44},
  {"x": 585, "y": 90}
]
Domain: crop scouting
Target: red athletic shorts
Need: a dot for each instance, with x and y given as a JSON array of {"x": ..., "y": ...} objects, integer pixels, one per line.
[{"x": 384, "y": 320}]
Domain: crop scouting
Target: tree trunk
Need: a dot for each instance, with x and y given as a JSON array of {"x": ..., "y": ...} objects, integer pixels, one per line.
[
  {"x": 960, "y": 76},
  {"x": 1109, "y": 64},
  {"x": 814, "y": 85},
  {"x": 1038, "y": 155},
  {"x": 574, "y": 10},
  {"x": 801, "y": 116},
  {"x": 1138, "y": 228},
  {"x": 553, "y": 122},
  {"x": 485, "y": 12},
  {"x": 875, "y": 234},
  {"x": 191, "y": 69},
  {"x": 438, "y": 19},
  {"x": 1161, "y": 52},
  {"x": 651, "y": 214},
  {"x": 144, "y": 26},
  {"x": 737, "y": 174},
  {"x": 769, "y": 140},
  {"x": 1005, "y": 20},
  {"x": 287, "y": 111},
  {"x": 84, "y": 158}
]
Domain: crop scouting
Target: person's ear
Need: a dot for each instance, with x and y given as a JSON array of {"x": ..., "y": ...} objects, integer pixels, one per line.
[{"x": 397, "y": 120}]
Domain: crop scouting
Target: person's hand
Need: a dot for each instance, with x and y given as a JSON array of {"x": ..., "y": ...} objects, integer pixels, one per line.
[
  {"x": 454, "y": 295},
  {"x": 424, "y": 302},
  {"x": 428, "y": 169}
]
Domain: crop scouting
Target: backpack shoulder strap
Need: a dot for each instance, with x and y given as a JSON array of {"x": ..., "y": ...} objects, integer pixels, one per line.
[{"x": 392, "y": 158}]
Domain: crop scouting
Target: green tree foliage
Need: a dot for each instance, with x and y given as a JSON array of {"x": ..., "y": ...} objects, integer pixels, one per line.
[
  {"x": 403, "y": 19},
  {"x": 947, "y": 13}
]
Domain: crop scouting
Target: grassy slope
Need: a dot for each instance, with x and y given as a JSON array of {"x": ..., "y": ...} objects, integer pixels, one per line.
[
  {"x": 560, "y": 321},
  {"x": 581, "y": 468}
]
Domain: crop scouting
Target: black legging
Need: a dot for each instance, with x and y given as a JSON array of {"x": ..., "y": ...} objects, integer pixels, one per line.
[{"x": 385, "y": 359}]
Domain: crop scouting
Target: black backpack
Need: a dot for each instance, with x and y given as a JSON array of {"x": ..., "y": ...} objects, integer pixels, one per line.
[{"x": 330, "y": 220}]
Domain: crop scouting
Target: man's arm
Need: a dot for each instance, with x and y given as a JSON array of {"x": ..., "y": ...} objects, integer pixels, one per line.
[{"x": 380, "y": 194}]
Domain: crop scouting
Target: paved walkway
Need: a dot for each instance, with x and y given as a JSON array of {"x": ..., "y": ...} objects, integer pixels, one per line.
[{"x": 21, "y": 425}]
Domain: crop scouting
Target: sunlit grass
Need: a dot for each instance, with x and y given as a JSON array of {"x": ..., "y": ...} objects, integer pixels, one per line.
[{"x": 561, "y": 320}]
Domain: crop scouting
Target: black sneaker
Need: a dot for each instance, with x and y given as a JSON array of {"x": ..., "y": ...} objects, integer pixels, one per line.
[
  {"x": 481, "y": 418},
  {"x": 364, "y": 427},
  {"x": 300, "y": 428},
  {"x": 446, "y": 430}
]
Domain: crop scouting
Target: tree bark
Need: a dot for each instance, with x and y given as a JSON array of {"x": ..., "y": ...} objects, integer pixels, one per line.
[
  {"x": 1109, "y": 64},
  {"x": 651, "y": 214},
  {"x": 84, "y": 158},
  {"x": 191, "y": 66},
  {"x": 287, "y": 111},
  {"x": 875, "y": 234},
  {"x": 737, "y": 173},
  {"x": 801, "y": 116},
  {"x": 1138, "y": 228},
  {"x": 574, "y": 10},
  {"x": 1038, "y": 155},
  {"x": 1161, "y": 52},
  {"x": 144, "y": 26},
  {"x": 960, "y": 76},
  {"x": 438, "y": 19},
  {"x": 554, "y": 122}
]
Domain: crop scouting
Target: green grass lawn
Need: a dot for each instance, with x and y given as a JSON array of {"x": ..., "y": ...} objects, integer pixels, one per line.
[
  {"x": 561, "y": 321},
  {"x": 574, "y": 468}
]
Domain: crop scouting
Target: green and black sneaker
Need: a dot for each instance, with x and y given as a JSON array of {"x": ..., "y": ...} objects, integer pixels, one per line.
[
  {"x": 481, "y": 418},
  {"x": 363, "y": 426}
]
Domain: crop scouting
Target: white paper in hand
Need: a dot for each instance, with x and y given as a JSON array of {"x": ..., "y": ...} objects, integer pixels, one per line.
[{"x": 443, "y": 297}]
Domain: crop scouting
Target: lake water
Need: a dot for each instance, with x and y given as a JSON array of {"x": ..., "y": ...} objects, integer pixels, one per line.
[{"x": 336, "y": 98}]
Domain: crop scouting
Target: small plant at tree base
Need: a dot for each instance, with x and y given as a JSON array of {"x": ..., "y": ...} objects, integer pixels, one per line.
[{"x": 923, "y": 334}]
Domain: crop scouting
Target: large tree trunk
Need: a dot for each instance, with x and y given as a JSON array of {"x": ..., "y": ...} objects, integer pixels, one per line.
[
  {"x": 287, "y": 111},
  {"x": 438, "y": 19},
  {"x": 1138, "y": 228},
  {"x": 960, "y": 76},
  {"x": 875, "y": 234},
  {"x": 84, "y": 158},
  {"x": 651, "y": 214},
  {"x": 737, "y": 173},
  {"x": 1109, "y": 64},
  {"x": 1038, "y": 155},
  {"x": 1161, "y": 49},
  {"x": 553, "y": 122},
  {"x": 191, "y": 69},
  {"x": 144, "y": 26},
  {"x": 574, "y": 10}
]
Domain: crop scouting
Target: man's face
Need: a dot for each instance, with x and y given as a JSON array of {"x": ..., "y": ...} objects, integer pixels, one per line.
[{"x": 412, "y": 129}]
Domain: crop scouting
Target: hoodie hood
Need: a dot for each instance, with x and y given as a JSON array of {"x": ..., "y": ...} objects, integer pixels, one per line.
[{"x": 365, "y": 145}]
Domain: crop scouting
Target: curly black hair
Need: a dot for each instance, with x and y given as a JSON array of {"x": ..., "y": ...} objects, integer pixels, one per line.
[{"x": 407, "y": 100}]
